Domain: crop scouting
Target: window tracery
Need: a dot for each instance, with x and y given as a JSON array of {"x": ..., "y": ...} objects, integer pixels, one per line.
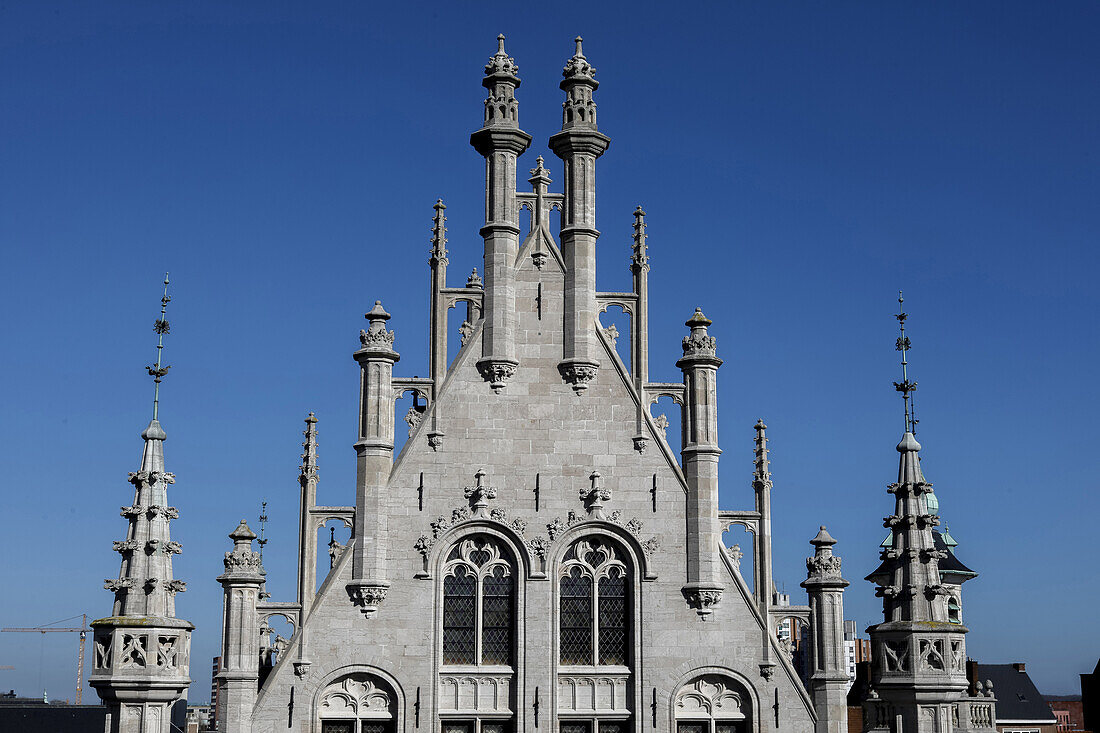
[
  {"x": 593, "y": 619},
  {"x": 478, "y": 603}
]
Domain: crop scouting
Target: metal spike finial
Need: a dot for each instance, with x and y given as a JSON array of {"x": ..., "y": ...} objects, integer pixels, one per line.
[
  {"x": 160, "y": 327},
  {"x": 905, "y": 386}
]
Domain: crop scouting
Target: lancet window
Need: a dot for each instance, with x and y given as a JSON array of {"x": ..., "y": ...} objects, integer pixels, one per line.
[
  {"x": 478, "y": 603},
  {"x": 594, "y": 621}
]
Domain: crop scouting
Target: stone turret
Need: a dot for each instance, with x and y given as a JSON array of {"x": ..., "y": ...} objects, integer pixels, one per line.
[
  {"x": 239, "y": 675},
  {"x": 699, "y": 456},
  {"x": 919, "y": 679},
  {"x": 828, "y": 667},
  {"x": 500, "y": 141},
  {"x": 578, "y": 145},
  {"x": 374, "y": 453},
  {"x": 142, "y": 650}
]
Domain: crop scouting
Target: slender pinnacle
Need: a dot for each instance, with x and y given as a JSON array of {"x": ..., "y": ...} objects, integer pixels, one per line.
[{"x": 160, "y": 327}]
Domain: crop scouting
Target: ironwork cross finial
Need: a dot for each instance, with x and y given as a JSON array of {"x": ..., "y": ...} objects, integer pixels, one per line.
[
  {"x": 160, "y": 327},
  {"x": 263, "y": 526},
  {"x": 905, "y": 386}
]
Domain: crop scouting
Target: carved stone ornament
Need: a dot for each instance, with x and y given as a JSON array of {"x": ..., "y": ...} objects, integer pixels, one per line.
[
  {"x": 118, "y": 584},
  {"x": 700, "y": 345},
  {"x": 435, "y": 440},
  {"x": 578, "y": 374},
  {"x": 823, "y": 566},
  {"x": 367, "y": 595},
  {"x": 243, "y": 560},
  {"x": 175, "y": 586},
  {"x": 539, "y": 259},
  {"x": 703, "y": 600},
  {"x": 376, "y": 336},
  {"x": 640, "y": 443},
  {"x": 465, "y": 331},
  {"x": 124, "y": 546},
  {"x": 767, "y": 671},
  {"x": 301, "y": 669},
  {"x": 611, "y": 333},
  {"x": 497, "y": 372}
]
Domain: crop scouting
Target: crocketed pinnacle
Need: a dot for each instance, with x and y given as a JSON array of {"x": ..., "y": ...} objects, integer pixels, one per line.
[
  {"x": 439, "y": 234},
  {"x": 640, "y": 258},
  {"x": 309, "y": 450},
  {"x": 761, "y": 477}
]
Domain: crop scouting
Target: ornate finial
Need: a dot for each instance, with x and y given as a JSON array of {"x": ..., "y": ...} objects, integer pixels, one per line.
[
  {"x": 160, "y": 327},
  {"x": 500, "y": 63},
  {"x": 263, "y": 527},
  {"x": 641, "y": 257},
  {"x": 474, "y": 280},
  {"x": 595, "y": 495},
  {"x": 824, "y": 565},
  {"x": 480, "y": 494},
  {"x": 439, "y": 234},
  {"x": 376, "y": 336},
  {"x": 578, "y": 68},
  {"x": 539, "y": 171},
  {"x": 905, "y": 386},
  {"x": 699, "y": 342},
  {"x": 761, "y": 477}
]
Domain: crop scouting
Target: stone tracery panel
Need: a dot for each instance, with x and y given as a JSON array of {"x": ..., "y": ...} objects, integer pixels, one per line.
[
  {"x": 357, "y": 695},
  {"x": 711, "y": 696}
]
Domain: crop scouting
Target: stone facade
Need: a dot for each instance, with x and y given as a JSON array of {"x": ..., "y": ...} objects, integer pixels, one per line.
[{"x": 538, "y": 556}]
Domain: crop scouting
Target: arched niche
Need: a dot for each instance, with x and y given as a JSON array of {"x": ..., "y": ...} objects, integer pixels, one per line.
[{"x": 712, "y": 701}]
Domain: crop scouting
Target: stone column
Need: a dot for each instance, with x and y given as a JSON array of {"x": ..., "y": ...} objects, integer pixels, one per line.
[
  {"x": 700, "y": 461},
  {"x": 374, "y": 461},
  {"x": 437, "y": 345},
  {"x": 238, "y": 678},
  {"x": 500, "y": 141},
  {"x": 828, "y": 661},
  {"x": 578, "y": 145}
]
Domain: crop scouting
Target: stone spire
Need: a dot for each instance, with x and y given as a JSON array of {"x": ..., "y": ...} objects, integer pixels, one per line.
[
  {"x": 142, "y": 648},
  {"x": 699, "y": 457},
  {"x": 501, "y": 142},
  {"x": 919, "y": 653},
  {"x": 579, "y": 144}
]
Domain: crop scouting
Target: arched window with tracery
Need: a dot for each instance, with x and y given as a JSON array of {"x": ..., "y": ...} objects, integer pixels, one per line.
[
  {"x": 594, "y": 619},
  {"x": 357, "y": 703},
  {"x": 478, "y": 603}
]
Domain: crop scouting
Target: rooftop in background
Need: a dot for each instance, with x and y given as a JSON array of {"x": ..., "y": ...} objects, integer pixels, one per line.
[{"x": 1018, "y": 700}]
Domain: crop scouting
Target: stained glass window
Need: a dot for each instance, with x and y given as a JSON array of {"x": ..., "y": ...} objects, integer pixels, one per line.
[
  {"x": 478, "y": 603},
  {"x": 612, "y": 618},
  {"x": 576, "y": 618}
]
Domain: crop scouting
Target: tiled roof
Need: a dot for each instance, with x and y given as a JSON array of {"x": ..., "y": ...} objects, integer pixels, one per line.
[{"x": 1017, "y": 697}]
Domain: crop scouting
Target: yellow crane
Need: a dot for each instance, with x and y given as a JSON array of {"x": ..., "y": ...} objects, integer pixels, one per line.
[{"x": 83, "y": 631}]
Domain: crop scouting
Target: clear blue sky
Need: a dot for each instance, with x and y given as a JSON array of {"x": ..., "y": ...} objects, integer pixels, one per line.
[{"x": 800, "y": 163}]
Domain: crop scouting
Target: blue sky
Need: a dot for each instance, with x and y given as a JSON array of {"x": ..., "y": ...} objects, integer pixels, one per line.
[{"x": 800, "y": 163}]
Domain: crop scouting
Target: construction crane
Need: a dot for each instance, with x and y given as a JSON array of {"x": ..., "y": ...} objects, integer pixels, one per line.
[{"x": 83, "y": 631}]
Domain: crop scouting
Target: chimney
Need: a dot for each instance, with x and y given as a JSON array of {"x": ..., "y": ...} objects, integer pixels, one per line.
[{"x": 1018, "y": 666}]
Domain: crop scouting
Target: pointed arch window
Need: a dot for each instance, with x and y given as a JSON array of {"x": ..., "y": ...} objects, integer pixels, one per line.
[
  {"x": 594, "y": 622},
  {"x": 478, "y": 603}
]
